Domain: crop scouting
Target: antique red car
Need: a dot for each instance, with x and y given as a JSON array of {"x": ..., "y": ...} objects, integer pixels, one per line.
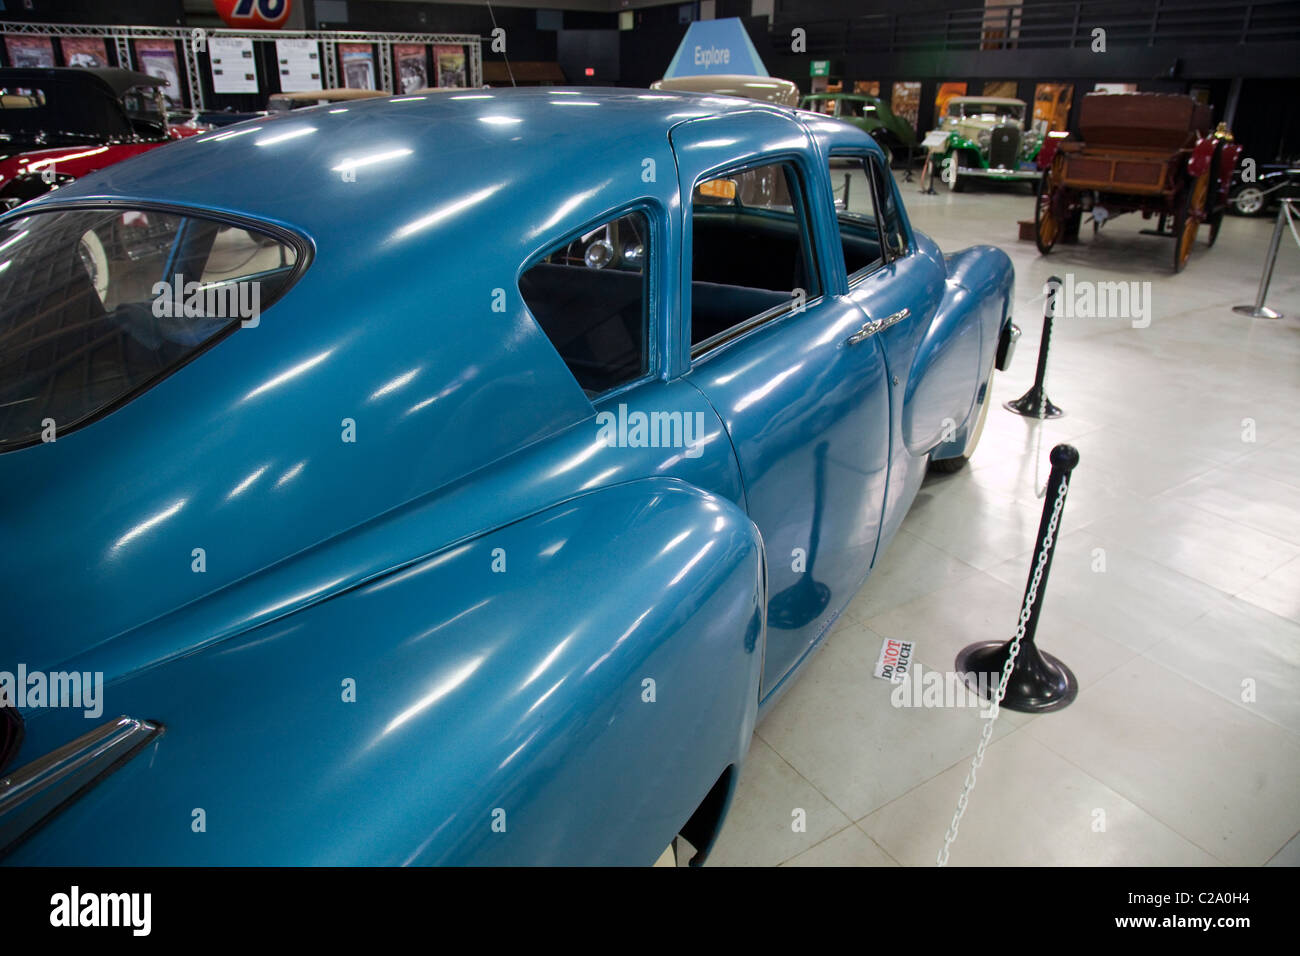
[
  {"x": 57, "y": 125},
  {"x": 1151, "y": 153}
]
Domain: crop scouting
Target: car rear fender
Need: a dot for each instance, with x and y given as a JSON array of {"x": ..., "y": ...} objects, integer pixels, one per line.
[
  {"x": 951, "y": 368},
  {"x": 566, "y": 689}
]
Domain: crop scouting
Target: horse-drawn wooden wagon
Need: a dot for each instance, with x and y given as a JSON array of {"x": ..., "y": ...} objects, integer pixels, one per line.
[{"x": 1151, "y": 153}]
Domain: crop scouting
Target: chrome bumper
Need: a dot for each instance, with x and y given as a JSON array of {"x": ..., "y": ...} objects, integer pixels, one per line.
[
  {"x": 999, "y": 173},
  {"x": 1007, "y": 346}
]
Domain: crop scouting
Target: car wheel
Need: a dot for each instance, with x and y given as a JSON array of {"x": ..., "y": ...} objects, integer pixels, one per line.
[
  {"x": 95, "y": 260},
  {"x": 927, "y": 174},
  {"x": 1249, "y": 201},
  {"x": 951, "y": 176},
  {"x": 948, "y": 466}
]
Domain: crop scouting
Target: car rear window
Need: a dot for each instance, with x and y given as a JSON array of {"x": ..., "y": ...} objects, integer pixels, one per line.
[{"x": 96, "y": 305}]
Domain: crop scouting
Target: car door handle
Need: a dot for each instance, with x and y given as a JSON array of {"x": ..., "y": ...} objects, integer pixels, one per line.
[{"x": 875, "y": 325}]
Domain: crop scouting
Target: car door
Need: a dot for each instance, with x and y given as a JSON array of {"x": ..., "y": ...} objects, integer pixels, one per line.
[
  {"x": 788, "y": 362},
  {"x": 901, "y": 289}
]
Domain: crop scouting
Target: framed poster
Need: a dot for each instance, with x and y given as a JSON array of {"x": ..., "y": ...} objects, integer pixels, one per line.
[
  {"x": 299, "y": 63},
  {"x": 158, "y": 58},
  {"x": 84, "y": 51},
  {"x": 1004, "y": 88},
  {"x": 358, "y": 66},
  {"x": 233, "y": 69},
  {"x": 905, "y": 101},
  {"x": 868, "y": 87},
  {"x": 1052, "y": 103},
  {"x": 411, "y": 67},
  {"x": 450, "y": 64},
  {"x": 1115, "y": 88},
  {"x": 946, "y": 92},
  {"x": 30, "y": 51}
]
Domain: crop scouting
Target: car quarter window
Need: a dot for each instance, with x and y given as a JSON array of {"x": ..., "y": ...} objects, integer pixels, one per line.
[
  {"x": 751, "y": 252},
  {"x": 870, "y": 227},
  {"x": 590, "y": 296},
  {"x": 98, "y": 304}
]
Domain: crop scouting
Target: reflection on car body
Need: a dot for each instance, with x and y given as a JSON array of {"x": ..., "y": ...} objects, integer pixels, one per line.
[{"x": 374, "y": 581}]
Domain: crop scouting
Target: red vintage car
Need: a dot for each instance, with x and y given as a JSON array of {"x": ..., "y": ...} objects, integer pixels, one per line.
[{"x": 57, "y": 125}]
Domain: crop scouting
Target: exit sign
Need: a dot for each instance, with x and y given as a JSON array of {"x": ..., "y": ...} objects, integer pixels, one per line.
[{"x": 820, "y": 68}]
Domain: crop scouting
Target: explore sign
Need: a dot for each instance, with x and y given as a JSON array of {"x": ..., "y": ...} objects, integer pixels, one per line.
[{"x": 716, "y": 46}]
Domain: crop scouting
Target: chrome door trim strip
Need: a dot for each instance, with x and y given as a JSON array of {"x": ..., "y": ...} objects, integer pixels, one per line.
[{"x": 35, "y": 791}]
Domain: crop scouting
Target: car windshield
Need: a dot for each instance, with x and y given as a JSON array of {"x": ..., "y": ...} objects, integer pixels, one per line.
[
  {"x": 857, "y": 108},
  {"x": 143, "y": 101},
  {"x": 987, "y": 111},
  {"x": 96, "y": 305}
]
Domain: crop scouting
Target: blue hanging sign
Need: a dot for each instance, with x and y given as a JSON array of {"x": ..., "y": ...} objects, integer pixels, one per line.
[{"x": 716, "y": 46}]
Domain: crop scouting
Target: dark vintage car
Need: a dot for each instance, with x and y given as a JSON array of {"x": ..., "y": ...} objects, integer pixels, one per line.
[
  {"x": 872, "y": 115},
  {"x": 1259, "y": 195},
  {"x": 460, "y": 481},
  {"x": 57, "y": 125}
]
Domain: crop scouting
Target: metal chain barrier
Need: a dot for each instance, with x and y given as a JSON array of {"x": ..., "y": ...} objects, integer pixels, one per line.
[
  {"x": 1290, "y": 221},
  {"x": 1040, "y": 492},
  {"x": 986, "y": 734}
]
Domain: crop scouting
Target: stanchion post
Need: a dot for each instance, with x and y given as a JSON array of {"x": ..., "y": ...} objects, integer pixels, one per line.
[
  {"x": 1038, "y": 681},
  {"x": 1035, "y": 403},
  {"x": 1259, "y": 310}
]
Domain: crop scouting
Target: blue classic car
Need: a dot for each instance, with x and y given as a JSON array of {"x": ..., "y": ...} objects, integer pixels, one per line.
[{"x": 452, "y": 479}]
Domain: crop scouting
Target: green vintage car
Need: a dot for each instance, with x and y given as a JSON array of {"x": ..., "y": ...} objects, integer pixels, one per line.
[
  {"x": 893, "y": 133},
  {"x": 985, "y": 137}
]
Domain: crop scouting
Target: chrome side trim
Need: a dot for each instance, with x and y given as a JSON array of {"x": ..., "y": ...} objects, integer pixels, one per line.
[
  {"x": 37, "y": 790},
  {"x": 875, "y": 325}
]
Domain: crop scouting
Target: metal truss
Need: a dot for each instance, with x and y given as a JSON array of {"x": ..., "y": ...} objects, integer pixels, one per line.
[{"x": 121, "y": 36}]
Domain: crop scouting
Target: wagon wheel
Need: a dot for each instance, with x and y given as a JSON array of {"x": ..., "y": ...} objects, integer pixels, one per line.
[
  {"x": 1216, "y": 220},
  {"x": 1213, "y": 203},
  {"x": 1188, "y": 219},
  {"x": 1048, "y": 222}
]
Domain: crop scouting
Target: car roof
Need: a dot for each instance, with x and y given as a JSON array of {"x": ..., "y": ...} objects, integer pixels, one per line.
[
  {"x": 770, "y": 89},
  {"x": 117, "y": 80},
  {"x": 841, "y": 96},
  {"x": 528, "y": 144}
]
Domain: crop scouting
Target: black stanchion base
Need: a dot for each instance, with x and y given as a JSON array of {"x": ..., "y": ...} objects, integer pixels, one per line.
[
  {"x": 1039, "y": 682},
  {"x": 1034, "y": 404}
]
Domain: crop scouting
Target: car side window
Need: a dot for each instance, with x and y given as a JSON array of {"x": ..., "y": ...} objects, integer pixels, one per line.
[
  {"x": 751, "y": 252},
  {"x": 855, "y": 210},
  {"x": 891, "y": 219},
  {"x": 589, "y": 295},
  {"x": 871, "y": 232}
]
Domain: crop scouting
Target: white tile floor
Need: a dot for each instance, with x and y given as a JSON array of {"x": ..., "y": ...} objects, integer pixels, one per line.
[{"x": 1200, "y": 592}]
